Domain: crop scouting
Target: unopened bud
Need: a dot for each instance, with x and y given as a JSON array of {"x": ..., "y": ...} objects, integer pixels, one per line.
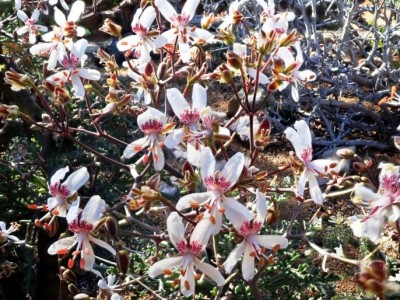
[
  {"x": 81, "y": 296},
  {"x": 207, "y": 21},
  {"x": 123, "y": 261},
  {"x": 289, "y": 39},
  {"x": 111, "y": 226},
  {"x": 18, "y": 81},
  {"x": 72, "y": 289},
  {"x": 345, "y": 153},
  {"x": 8, "y": 111},
  {"x": 359, "y": 166},
  {"x": 68, "y": 276},
  {"x": 235, "y": 60},
  {"x": 162, "y": 71}
]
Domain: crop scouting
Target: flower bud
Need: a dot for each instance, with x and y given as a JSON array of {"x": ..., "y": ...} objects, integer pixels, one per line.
[
  {"x": 111, "y": 226},
  {"x": 289, "y": 39},
  {"x": 81, "y": 296},
  {"x": 359, "y": 166},
  {"x": 111, "y": 28},
  {"x": 68, "y": 276},
  {"x": 345, "y": 153},
  {"x": 207, "y": 21},
  {"x": 72, "y": 289},
  {"x": 235, "y": 60},
  {"x": 162, "y": 71},
  {"x": 123, "y": 260},
  {"x": 226, "y": 36},
  {"x": 262, "y": 134},
  {"x": 8, "y": 111},
  {"x": 18, "y": 81}
]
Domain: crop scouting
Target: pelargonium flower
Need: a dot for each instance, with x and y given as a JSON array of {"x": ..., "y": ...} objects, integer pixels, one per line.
[
  {"x": 82, "y": 223},
  {"x": 275, "y": 22},
  {"x": 30, "y": 25},
  {"x": 180, "y": 31},
  {"x": 286, "y": 71},
  {"x": 72, "y": 72},
  {"x": 253, "y": 245},
  {"x": 217, "y": 184},
  {"x": 300, "y": 137},
  {"x": 110, "y": 286},
  {"x": 54, "y": 47},
  {"x": 382, "y": 205},
  {"x": 5, "y": 234},
  {"x": 153, "y": 124},
  {"x": 234, "y": 15},
  {"x": 68, "y": 24},
  {"x": 142, "y": 43},
  {"x": 188, "y": 260},
  {"x": 63, "y": 193}
]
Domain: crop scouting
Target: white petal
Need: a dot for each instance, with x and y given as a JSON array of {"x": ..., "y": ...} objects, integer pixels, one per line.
[
  {"x": 148, "y": 16},
  {"x": 74, "y": 211},
  {"x": 127, "y": 43},
  {"x": 59, "y": 17},
  {"x": 174, "y": 138},
  {"x": 59, "y": 175},
  {"x": 64, "y": 5},
  {"x": 103, "y": 245},
  {"x": 294, "y": 93},
  {"x": 176, "y": 230},
  {"x": 65, "y": 243},
  {"x": 79, "y": 47},
  {"x": 22, "y": 16},
  {"x": 102, "y": 283},
  {"x": 201, "y": 233},
  {"x": 363, "y": 193},
  {"x": 189, "y": 8},
  {"x": 234, "y": 256},
  {"x": 300, "y": 137},
  {"x": 195, "y": 198},
  {"x": 76, "y": 12},
  {"x": 93, "y": 210},
  {"x": 150, "y": 114},
  {"x": 236, "y": 212},
  {"x": 32, "y": 38},
  {"x": 59, "y": 77},
  {"x": 80, "y": 31},
  {"x": 315, "y": 190},
  {"x": 261, "y": 206},
  {"x": 77, "y": 86},
  {"x": 135, "y": 147},
  {"x": 184, "y": 50},
  {"x": 187, "y": 280},
  {"x": 193, "y": 155},
  {"x": 262, "y": 78},
  {"x": 158, "y": 158},
  {"x": 169, "y": 263},
  {"x": 207, "y": 163},
  {"x": 210, "y": 271},
  {"x": 77, "y": 179},
  {"x": 2, "y": 226},
  {"x": 306, "y": 75},
  {"x": 248, "y": 263},
  {"x": 35, "y": 15},
  {"x": 90, "y": 74},
  {"x": 302, "y": 182},
  {"x": 87, "y": 254},
  {"x": 22, "y": 30},
  {"x": 286, "y": 55},
  {"x": 233, "y": 168},
  {"x": 166, "y": 9},
  {"x": 199, "y": 97},
  {"x": 40, "y": 48},
  {"x": 177, "y": 101},
  {"x": 269, "y": 241},
  {"x": 52, "y": 62}
]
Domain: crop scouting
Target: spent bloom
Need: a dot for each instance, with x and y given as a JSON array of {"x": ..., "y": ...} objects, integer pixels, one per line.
[
  {"x": 253, "y": 245},
  {"x": 30, "y": 25},
  {"x": 382, "y": 205},
  {"x": 187, "y": 261},
  {"x": 300, "y": 137},
  {"x": 217, "y": 184},
  {"x": 82, "y": 223},
  {"x": 286, "y": 71},
  {"x": 180, "y": 31},
  {"x": 72, "y": 72},
  {"x": 153, "y": 124}
]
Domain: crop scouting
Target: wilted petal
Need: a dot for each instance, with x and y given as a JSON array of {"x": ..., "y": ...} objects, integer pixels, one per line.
[
  {"x": 169, "y": 263},
  {"x": 210, "y": 271},
  {"x": 65, "y": 243},
  {"x": 234, "y": 256}
]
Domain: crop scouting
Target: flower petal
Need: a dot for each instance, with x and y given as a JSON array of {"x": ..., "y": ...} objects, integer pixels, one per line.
[
  {"x": 169, "y": 263},
  {"x": 193, "y": 199},
  {"x": 199, "y": 97},
  {"x": 59, "y": 175},
  {"x": 103, "y": 245},
  {"x": 270, "y": 241},
  {"x": 236, "y": 212},
  {"x": 233, "y": 168},
  {"x": 187, "y": 281},
  {"x": 261, "y": 206},
  {"x": 210, "y": 271},
  {"x": 136, "y": 146},
  {"x": 59, "y": 17},
  {"x": 177, "y": 101},
  {"x": 77, "y": 179},
  {"x": 234, "y": 256},
  {"x": 166, "y": 9},
  {"x": 93, "y": 210},
  {"x": 174, "y": 138},
  {"x": 315, "y": 190},
  {"x": 207, "y": 163},
  {"x": 176, "y": 230},
  {"x": 248, "y": 263},
  {"x": 87, "y": 254},
  {"x": 158, "y": 157},
  {"x": 65, "y": 243},
  {"x": 76, "y": 12},
  {"x": 77, "y": 86},
  {"x": 90, "y": 74}
]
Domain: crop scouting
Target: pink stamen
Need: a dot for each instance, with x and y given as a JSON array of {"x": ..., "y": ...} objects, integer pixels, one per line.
[
  {"x": 152, "y": 126},
  {"x": 217, "y": 182},
  {"x": 190, "y": 116},
  {"x": 78, "y": 226}
]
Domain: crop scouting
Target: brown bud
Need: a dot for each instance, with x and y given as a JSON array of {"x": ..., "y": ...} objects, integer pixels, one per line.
[
  {"x": 123, "y": 260},
  {"x": 162, "y": 71},
  {"x": 111, "y": 28},
  {"x": 359, "y": 167},
  {"x": 345, "y": 153},
  {"x": 111, "y": 226},
  {"x": 8, "y": 111},
  {"x": 207, "y": 21},
  {"x": 81, "y": 296},
  {"x": 235, "y": 60},
  {"x": 68, "y": 276},
  {"x": 18, "y": 81},
  {"x": 72, "y": 289}
]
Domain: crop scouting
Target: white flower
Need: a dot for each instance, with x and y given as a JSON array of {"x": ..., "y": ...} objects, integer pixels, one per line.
[
  {"x": 286, "y": 71},
  {"x": 142, "y": 43},
  {"x": 217, "y": 183},
  {"x": 180, "y": 31},
  {"x": 275, "y": 22},
  {"x": 54, "y": 47},
  {"x": 253, "y": 245},
  {"x": 82, "y": 223},
  {"x": 30, "y": 25},
  {"x": 153, "y": 124},
  {"x": 72, "y": 72},
  {"x": 382, "y": 206},
  {"x": 68, "y": 23},
  {"x": 188, "y": 260},
  {"x": 6, "y": 233},
  {"x": 234, "y": 16},
  {"x": 300, "y": 137}
]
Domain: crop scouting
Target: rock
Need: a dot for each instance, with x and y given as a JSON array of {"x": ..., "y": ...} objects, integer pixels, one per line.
[{"x": 171, "y": 192}]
